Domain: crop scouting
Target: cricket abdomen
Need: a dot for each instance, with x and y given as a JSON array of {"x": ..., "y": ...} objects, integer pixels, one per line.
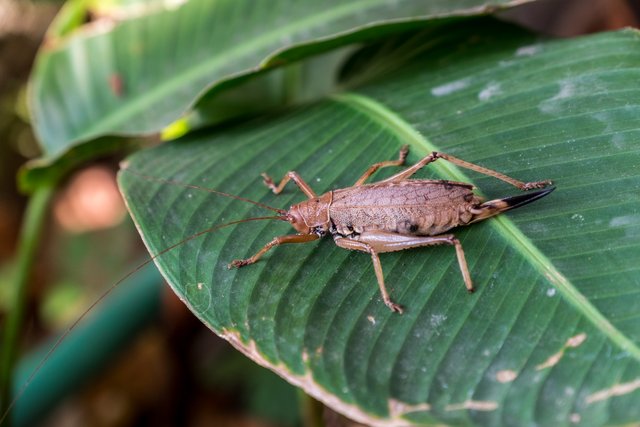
[{"x": 418, "y": 207}]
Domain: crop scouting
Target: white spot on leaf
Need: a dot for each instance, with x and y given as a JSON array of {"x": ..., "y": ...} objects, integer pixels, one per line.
[
  {"x": 577, "y": 217},
  {"x": 437, "y": 319},
  {"x": 489, "y": 91},
  {"x": 476, "y": 405},
  {"x": 567, "y": 88},
  {"x": 529, "y": 50},
  {"x": 624, "y": 220},
  {"x": 506, "y": 376},
  {"x": 451, "y": 87}
]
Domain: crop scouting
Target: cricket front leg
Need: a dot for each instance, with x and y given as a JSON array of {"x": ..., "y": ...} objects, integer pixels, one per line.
[
  {"x": 347, "y": 243},
  {"x": 291, "y": 238},
  {"x": 289, "y": 176}
]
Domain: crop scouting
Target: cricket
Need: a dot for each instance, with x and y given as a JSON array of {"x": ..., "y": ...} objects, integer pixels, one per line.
[{"x": 394, "y": 214}]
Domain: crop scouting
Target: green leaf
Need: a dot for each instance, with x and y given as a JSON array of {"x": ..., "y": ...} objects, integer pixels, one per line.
[
  {"x": 140, "y": 65},
  {"x": 551, "y": 337}
]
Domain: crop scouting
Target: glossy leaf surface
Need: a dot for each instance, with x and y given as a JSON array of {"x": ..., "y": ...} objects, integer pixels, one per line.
[{"x": 551, "y": 337}]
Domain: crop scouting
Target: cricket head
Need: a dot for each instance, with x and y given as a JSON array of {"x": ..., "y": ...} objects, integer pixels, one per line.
[{"x": 311, "y": 216}]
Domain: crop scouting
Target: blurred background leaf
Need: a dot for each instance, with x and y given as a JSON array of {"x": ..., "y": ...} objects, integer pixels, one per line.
[{"x": 136, "y": 67}]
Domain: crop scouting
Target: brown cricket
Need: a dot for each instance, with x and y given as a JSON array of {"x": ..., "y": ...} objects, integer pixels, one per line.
[{"x": 394, "y": 214}]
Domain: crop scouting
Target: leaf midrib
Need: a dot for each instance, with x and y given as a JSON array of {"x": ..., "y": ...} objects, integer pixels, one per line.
[{"x": 405, "y": 132}]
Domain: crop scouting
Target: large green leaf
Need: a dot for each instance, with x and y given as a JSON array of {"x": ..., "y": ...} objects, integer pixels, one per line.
[
  {"x": 551, "y": 337},
  {"x": 141, "y": 65}
]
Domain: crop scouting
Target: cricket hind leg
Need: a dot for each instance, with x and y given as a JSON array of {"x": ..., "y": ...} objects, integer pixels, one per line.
[
  {"x": 347, "y": 243},
  {"x": 405, "y": 174},
  {"x": 402, "y": 156},
  {"x": 375, "y": 242},
  {"x": 383, "y": 241},
  {"x": 490, "y": 172}
]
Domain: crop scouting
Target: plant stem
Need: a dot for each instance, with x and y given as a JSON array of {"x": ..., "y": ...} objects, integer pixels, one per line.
[{"x": 28, "y": 244}]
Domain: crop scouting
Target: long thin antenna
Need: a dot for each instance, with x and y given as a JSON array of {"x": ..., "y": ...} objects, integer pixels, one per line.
[
  {"x": 197, "y": 187},
  {"x": 107, "y": 292}
]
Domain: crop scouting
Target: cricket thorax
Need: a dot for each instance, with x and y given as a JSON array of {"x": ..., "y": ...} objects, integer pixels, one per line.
[
  {"x": 312, "y": 216},
  {"x": 416, "y": 207}
]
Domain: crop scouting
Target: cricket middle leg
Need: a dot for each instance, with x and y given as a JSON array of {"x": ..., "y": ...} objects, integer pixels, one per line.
[{"x": 402, "y": 156}]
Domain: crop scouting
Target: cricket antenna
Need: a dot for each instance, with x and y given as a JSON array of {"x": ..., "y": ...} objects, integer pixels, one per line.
[
  {"x": 75, "y": 323},
  {"x": 124, "y": 167}
]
